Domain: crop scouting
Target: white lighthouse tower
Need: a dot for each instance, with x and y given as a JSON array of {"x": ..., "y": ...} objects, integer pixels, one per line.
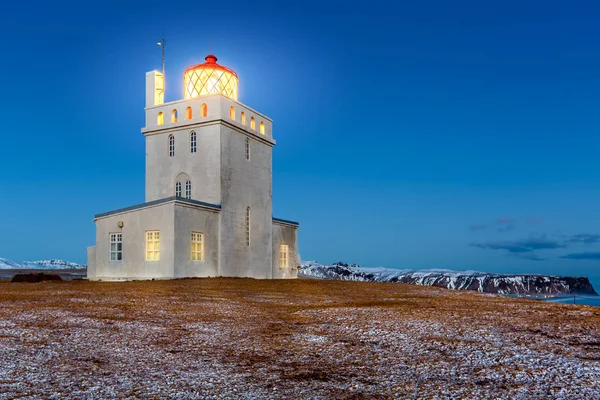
[{"x": 208, "y": 209}]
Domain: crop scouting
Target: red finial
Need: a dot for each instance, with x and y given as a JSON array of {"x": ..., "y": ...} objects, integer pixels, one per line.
[{"x": 210, "y": 59}]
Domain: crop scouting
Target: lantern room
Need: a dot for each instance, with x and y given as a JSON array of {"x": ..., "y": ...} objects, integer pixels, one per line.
[{"x": 210, "y": 78}]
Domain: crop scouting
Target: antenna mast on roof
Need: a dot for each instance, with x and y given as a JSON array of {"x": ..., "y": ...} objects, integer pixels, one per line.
[{"x": 162, "y": 46}]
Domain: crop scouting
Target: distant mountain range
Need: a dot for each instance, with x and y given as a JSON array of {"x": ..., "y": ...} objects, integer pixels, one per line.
[
  {"x": 42, "y": 264},
  {"x": 533, "y": 285}
]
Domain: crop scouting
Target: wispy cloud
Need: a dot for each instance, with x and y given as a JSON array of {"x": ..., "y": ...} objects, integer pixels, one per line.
[
  {"x": 506, "y": 221},
  {"x": 585, "y": 238},
  {"x": 528, "y": 256},
  {"x": 478, "y": 227},
  {"x": 583, "y": 256},
  {"x": 521, "y": 246},
  {"x": 503, "y": 224}
]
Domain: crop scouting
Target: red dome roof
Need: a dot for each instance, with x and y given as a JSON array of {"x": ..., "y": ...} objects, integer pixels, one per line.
[
  {"x": 209, "y": 78},
  {"x": 211, "y": 62}
]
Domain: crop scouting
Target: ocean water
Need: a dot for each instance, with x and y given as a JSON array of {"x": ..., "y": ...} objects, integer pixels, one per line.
[{"x": 587, "y": 300}]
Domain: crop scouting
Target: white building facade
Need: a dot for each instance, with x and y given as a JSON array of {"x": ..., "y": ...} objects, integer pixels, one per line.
[{"x": 208, "y": 209}]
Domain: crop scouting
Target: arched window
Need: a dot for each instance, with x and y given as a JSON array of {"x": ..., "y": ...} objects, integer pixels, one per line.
[
  {"x": 247, "y": 149},
  {"x": 232, "y": 113},
  {"x": 243, "y": 118},
  {"x": 188, "y": 113},
  {"x": 179, "y": 179},
  {"x": 160, "y": 119},
  {"x": 204, "y": 110},
  {"x": 262, "y": 127},
  {"x": 192, "y": 142},
  {"x": 171, "y": 145},
  {"x": 252, "y": 123},
  {"x": 174, "y": 116},
  {"x": 248, "y": 226}
]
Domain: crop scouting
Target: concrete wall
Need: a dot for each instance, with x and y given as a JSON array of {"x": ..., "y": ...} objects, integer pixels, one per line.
[
  {"x": 91, "y": 260},
  {"x": 285, "y": 234},
  {"x": 191, "y": 219},
  {"x": 135, "y": 225},
  {"x": 203, "y": 166},
  {"x": 219, "y": 107},
  {"x": 245, "y": 183}
]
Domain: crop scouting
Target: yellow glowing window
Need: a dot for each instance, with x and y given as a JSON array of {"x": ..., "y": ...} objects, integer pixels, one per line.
[
  {"x": 197, "y": 245},
  {"x": 262, "y": 128},
  {"x": 152, "y": 246},
  {"x": 174, "y": 116},
  {"x": 252, "y": 123},
  {"x": 243, "y": 118},
  {"x": 283, "y": 255},
  {"x": 160, "y": 119},
  {"x": 188, "y": 113},
  {"x": 204, "y": 110},
  {"x": 232, "y": 113}
]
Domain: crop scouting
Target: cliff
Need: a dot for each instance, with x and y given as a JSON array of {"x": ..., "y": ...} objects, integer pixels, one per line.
[{"x": 521, "y": 284}]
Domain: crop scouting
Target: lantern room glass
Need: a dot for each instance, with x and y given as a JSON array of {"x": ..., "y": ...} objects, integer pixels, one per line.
[{"x": 210, "y": 78}]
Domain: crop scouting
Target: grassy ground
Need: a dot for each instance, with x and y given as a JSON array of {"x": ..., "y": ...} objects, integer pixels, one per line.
[{"x": 243, "y": 338}]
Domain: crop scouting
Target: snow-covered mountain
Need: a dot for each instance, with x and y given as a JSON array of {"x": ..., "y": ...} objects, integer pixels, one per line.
[
  {"x": 466, "y": 280},
  {"x": 42, "y": 264}
]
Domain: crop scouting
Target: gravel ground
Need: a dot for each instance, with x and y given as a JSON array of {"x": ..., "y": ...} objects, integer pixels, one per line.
[{"x": 301, "y": 339}]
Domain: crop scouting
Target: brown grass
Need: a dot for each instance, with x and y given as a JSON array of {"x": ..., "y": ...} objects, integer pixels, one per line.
[{"x": 273, "y": 337}]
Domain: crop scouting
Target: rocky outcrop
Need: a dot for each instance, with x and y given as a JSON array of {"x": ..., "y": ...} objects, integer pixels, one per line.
[{"x": 533, "y": 285}]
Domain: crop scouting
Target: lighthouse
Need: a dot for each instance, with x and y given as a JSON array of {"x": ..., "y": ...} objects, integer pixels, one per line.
[{"x": 208, "y": 201}]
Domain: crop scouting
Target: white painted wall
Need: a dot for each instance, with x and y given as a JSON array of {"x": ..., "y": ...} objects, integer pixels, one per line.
[
  {"x": 285, "y": 234},
  {"x": 192, "y": 219},
  {"x": 135, "y": 225},
  {"x": 203, "y": 166},
  {"x": 245, "y": 183}
]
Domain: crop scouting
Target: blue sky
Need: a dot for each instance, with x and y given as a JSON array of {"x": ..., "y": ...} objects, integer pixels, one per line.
[{"x": 426, "y": 134}]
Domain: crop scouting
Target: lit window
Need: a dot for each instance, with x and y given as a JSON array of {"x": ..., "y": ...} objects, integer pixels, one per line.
[
  {"x": 116, "y": 247},
  {"x": 192, "y": 142},
  {"x": 247, "y": 149},
  {"x": 283, "y": 255},
  {"x": 197, "y": 246},
  {"x": 243, "y": 118},
  {"x": 204, "y": 110},
  {"x": 252, "y": 123},
  {"x": 160, "y": 119},
  {"x": 188, "y": 189},
  {"x": 178, "y": 189},
  {"x": 174, "y": 116},
  {"x": 152, "y": 246},
  {"x": 188, "y": 113},
  {"x": 171, "y": 145},
  {"x": 232, "y": 113},
  {"x": 247, "y": 226},
  {"x": 262, "y": 128}
]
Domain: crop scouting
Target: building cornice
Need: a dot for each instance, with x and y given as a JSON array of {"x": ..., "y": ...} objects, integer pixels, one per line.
[
  {"x": 173, "y": 199},
  {"x": 199, "y": 98},
  {"x": 196, "y": 124},
  {"x": 285, "y": 222}
]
